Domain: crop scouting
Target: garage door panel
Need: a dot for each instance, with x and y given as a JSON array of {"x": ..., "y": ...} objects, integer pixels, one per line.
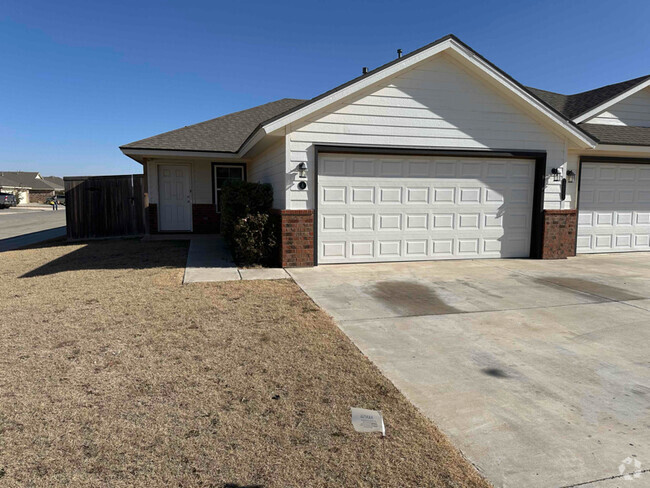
[
  {"x": 614, "y": 208},
  {"x": 444, "y": 169},
  {"x": 642, "y": 240},
  {"x": 642, "y": 218},
  {"x": 362, "y": 168},
  {"x": 427, "y": 211},
  {"x": 415, "y": 195}
]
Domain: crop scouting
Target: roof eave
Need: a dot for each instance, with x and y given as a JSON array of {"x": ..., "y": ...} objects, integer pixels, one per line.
[{"x": 135, "y": 153}]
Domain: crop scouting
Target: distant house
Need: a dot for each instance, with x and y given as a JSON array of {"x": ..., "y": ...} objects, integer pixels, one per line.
[{"x": 30, "y": 186}]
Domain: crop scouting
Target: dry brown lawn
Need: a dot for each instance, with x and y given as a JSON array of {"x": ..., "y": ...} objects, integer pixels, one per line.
[{"x": 112, "y": 373}]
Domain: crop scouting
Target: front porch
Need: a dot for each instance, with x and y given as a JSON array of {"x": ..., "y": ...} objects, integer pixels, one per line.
[{"x": 183, "y": 195}]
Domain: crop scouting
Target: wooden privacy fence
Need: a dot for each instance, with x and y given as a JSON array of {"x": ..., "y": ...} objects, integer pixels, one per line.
[{"x": 104, "y": 206}]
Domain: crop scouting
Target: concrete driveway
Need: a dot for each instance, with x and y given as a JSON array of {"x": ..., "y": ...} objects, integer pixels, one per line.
[{"x": 539, "y": 371}]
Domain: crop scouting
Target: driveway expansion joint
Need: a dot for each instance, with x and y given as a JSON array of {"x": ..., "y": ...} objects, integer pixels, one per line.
[{"x": 618, "y": 476}]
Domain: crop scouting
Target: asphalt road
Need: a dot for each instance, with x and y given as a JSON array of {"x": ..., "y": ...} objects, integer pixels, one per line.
[{"x": 23, "y": 226}]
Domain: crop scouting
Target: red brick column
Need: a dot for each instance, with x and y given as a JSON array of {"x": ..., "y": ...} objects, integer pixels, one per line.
[
  {"x": 559, "y": 238},
  {"x": 297, "y": 238}
]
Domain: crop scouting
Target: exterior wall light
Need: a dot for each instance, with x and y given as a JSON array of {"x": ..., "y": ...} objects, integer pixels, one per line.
[
  {"x": 557, "y": 174},
  {"x": 571, "y": 176},
  {"x": 302, "y": 170}
]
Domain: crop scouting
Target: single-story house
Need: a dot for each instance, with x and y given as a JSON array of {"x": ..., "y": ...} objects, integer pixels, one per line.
[
  {"x": 438, "y": 154},
  {"x": 30, "y": 186}
]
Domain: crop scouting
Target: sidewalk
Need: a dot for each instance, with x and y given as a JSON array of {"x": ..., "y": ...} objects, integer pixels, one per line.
[{"x": 209, "y": 260}]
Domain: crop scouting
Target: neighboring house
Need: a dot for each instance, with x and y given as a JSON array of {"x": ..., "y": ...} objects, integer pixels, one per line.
[
  {"x": 56, "y": 183},
  {"x": 438, "y": 154},
  {"x": 30, "y": 186}
]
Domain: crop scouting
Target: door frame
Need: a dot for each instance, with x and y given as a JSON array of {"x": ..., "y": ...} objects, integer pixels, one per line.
[
  {"x": 539, "y": 183},
  {"x": 596, "y": 160},
  {"x": 189, "y": 165}
]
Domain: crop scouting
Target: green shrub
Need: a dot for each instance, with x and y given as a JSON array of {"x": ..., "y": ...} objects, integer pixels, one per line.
[
  {"x": 246, "y": 225},
  {"x": 255, "y": 239},
  {"x": 240, "y": 199}
]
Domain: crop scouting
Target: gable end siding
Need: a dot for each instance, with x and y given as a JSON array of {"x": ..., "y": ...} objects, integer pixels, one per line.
[
  {"x": 633, "y": 111},
  {"x": 437, "y": 104}
]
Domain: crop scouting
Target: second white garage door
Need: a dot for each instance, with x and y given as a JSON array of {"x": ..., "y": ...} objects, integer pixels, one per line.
[
  {"x": 614, "y": 208},
  {"x": 396, "y": 208}
]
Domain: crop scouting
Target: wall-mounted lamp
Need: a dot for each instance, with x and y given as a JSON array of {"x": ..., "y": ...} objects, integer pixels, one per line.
[
  {"x": 302, "y": 170},
  {"x": 557, "y": 174},
  {"x": 570, "y": 176}
]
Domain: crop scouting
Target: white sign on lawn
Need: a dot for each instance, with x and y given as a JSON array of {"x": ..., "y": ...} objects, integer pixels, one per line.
[{"x": 367, "y": 420}]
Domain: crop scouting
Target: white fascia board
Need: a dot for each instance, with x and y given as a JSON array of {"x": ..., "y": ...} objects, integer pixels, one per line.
[
  {"x": 621, "y": 148},
  {"x": 604, "y": 106},
  {"x": 575, "y": 133},
  {"x": 250, "y": 143},
  {"x": 173, "y": 153}
]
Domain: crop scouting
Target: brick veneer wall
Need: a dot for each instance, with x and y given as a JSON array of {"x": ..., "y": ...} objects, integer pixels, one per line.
[
  {"x": 39, "y": 196},
  {"x": 205, "y": 219},
  {"x": 297, "y": 238},
  {"x": 153, "y": 218},
  {"x": 559, "y": 238}
]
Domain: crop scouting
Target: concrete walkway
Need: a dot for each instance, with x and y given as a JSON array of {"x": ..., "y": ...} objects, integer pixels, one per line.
[{"x": 209, "y": 260}]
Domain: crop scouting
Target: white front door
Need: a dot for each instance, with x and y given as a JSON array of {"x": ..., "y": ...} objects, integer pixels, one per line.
[
  {"x": 401, "y": 208},
  {"x": 175, "y": 198},
  {"x": 614, "y": 208}
]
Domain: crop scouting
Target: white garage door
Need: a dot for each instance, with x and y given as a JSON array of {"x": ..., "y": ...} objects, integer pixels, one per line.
[
  {"x": 614, "y": 208},
  {"x": 397, "y": 208}
]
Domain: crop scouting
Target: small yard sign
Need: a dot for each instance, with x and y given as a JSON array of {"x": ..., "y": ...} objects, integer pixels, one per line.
[{"x": 367, "y": 420}]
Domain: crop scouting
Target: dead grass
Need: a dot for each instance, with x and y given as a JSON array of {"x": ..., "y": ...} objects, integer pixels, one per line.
[{"x": 114, "y": 374}]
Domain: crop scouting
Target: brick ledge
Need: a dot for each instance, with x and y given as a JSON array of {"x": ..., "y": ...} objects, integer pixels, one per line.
[{"x": 561, "y": 212}]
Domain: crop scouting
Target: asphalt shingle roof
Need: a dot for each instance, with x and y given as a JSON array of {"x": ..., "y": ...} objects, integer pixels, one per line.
[
  {"x": 575, "y": 105},
  {"x": 223, "y": 134},
  {"x": 5, "y": 182},
  {"x": 229, "y": 132},
  {"x": 24, "y": 179},
  {"x": 55, "y": 182},
  {"x": 618, "y": 134}
]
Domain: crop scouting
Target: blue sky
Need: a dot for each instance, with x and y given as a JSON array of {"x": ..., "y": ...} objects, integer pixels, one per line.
[{"x": 79, "y": 78}]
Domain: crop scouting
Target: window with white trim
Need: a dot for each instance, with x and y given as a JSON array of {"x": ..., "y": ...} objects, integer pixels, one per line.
[{"x": 223, "y": 173}]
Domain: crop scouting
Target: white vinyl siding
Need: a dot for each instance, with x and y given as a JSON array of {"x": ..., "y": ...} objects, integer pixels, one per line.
[
  {"x": 437, "y": 104},
  {"x": 614, "y": 208},
  {"x": 408, "y": 208},
  {"x": 632, "y": 111},
  {"x": 269, "y": 167}
]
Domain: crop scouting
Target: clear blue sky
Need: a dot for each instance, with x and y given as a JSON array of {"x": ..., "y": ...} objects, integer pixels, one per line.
[{"x": 79, "y": 78}]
